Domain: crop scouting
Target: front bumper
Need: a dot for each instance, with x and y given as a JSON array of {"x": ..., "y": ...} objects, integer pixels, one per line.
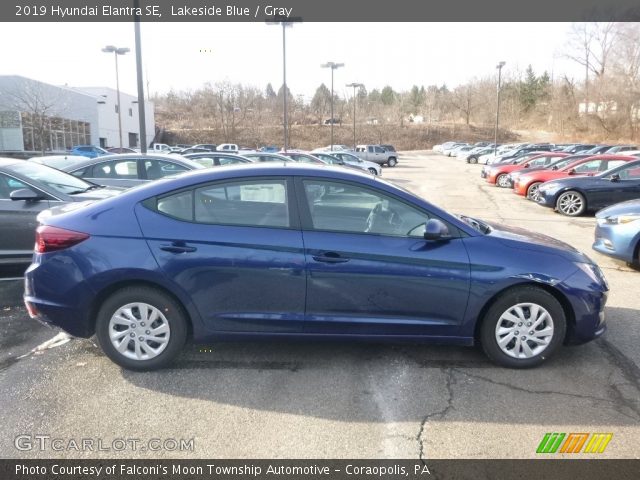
[
  {"x": 546, "y": 199},
  {"x": 616, "y": 240}
]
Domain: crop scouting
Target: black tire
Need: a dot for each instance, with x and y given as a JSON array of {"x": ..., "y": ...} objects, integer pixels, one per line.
[
  {"x": 472, "y": 160},
  {"x": 373, "y": 171},
  {"x": 502, "y": 305},
  {"x": 571, "y": 203},
  {"x": 392, "y": 162},
  {"x": 532, "y": 190},
  {"x": 499, "y": 179},
  {"x": 172, "y": 312}
]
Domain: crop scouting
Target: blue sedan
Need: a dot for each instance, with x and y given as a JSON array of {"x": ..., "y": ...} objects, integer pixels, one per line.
[
  {"x": 618, "y": 232},
  {"x": 300, "y": 251}
]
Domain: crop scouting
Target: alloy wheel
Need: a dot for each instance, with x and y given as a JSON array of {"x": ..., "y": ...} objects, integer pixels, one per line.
[{"x": 571, "y": 203}]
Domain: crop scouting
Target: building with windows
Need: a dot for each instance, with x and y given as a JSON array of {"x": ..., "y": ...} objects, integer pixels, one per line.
[{"x": 37, "y": 117}]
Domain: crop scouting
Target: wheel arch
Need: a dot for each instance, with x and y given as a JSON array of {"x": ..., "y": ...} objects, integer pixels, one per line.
[
  {"x": 557, "y": 294},
  {"x": 572, "y": 189}
]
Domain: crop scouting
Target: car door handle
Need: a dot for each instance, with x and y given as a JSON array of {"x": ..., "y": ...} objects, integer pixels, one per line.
[
  {"x": 178, "y": 248},
  {"x": 330, "y": 257}
]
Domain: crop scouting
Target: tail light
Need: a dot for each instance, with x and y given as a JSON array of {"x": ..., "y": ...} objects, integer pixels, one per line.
[{"x": 50, "y": 239}]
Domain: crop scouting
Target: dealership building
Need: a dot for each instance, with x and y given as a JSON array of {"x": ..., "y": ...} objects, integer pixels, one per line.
[{"x": 36, "y": 116}]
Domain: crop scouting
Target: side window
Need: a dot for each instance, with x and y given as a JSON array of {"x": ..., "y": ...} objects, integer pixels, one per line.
[
  {"x": 249, "y": 203},
  {"x": 630, "y": 173},
  {"x": 350, "y": 208},
  {"x": 589, "y": 167},
  {"x": 227, "y": 161},
  {"x": 116, "y": 169},
  {"x": 179, "y": 205},
  {"x": 370, "y": 149},
  {"x": 539, "y": 162},
  {"x": 159, "y": 168},
  {"x": 614, "y": 164},
  {"x": 8, "y": 185},
  {"x": 380, "y": 150}
]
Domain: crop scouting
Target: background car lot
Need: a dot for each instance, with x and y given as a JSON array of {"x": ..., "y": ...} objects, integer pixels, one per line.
[{"x": 338, "y": 400}]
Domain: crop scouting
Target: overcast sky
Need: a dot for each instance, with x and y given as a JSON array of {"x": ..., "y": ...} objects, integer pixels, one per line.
[{"x": 184, "y": 56}]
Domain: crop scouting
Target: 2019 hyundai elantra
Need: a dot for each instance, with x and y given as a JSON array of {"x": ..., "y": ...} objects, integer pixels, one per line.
[{"x": 303, "y": 251}]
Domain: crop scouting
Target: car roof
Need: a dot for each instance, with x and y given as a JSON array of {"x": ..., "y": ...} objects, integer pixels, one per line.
[
  {"x": 6, "y": 161},
  {"x": 125, "y": 156}
]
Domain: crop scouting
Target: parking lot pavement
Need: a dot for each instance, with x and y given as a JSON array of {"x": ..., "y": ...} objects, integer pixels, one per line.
[{"x": 314, "y": 400}]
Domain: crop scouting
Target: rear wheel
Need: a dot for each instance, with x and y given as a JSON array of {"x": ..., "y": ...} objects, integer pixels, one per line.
[
  {"x": 141, "y": 328},
  {"x": 532, "y": 191},
  {"x": 523, "y": 328},
  {"x": 472, "y": 159},
  {"x": 392, "y": 162},
  {"x": 571, "y": 203},
  {"x": 502, "y": 180}
]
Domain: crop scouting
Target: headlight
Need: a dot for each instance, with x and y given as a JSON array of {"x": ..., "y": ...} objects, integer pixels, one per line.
[
  {"x": 593, "y": 272},
  {"x": 549, "y": 186},
  {"x": 623, "y": 219}
]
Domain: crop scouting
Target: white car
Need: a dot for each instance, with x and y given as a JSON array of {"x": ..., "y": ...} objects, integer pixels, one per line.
[
  {"x": 351, "y": 159},
  {"x": 227, "y": 147},
  {"x": 449, "y": 151}
]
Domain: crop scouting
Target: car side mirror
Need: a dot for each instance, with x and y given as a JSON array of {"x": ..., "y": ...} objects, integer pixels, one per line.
[
  {"x": 572, "y": 171},
  {"x": 615, "y": 177},
  {"x": 526, "y": 166},
  {"x": 25, "y": 194},
  {"x": 436, "y": 230}
]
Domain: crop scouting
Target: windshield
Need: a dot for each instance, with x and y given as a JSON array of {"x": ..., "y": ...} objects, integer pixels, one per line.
[{"x": 58, "y": 181}]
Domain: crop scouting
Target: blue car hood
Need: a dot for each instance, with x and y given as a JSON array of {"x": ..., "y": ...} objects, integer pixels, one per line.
[
  {"x": 521, "y": 238},
  {"x": 624, "y": 208}
]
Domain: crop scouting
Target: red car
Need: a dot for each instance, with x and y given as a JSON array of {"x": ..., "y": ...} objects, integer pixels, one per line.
[
  {"x": 499, "y": 174},
  {"x": 528, "y": 183}
]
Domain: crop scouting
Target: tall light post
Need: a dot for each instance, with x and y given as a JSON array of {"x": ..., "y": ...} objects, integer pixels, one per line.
[
  {"x": 495, "y": 139},
  {"x": 117, "y": 51},
  {"x": 285, "y": 22},
  {"x": 354, "y": 85},
  {"x": 333, "y": 66}
]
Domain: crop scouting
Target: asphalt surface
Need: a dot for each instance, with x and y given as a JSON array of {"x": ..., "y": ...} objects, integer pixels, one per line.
[{"x": 336, "y": 400}]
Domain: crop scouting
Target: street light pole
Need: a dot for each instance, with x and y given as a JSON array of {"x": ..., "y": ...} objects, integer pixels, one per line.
[
  {"x": 333, "y": 66},
  {"x": 285, "y": 22},
  {"x": 495, "y": 140},
  {"x": 354, "y": 85},
  {"x": 117, "y": 51},
  {"x": 141, "y": 112}
]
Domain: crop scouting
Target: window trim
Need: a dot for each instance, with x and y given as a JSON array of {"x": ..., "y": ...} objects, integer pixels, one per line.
[
  {"x": 306, "y": 221},
  {"x": 294, "y": 217}
]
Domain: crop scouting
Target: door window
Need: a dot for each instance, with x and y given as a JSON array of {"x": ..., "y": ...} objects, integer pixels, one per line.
[
  {"x": 350, "y": 208},
  {"x": 9, "y": 185},
  {"x": 159, "y": 168},
  {"x": 116, "y": 169},
  {"x": 592, "y": 166}
]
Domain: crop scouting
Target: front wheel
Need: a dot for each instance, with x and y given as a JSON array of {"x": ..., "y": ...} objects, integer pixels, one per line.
[
  {"x": 532, "y": 191},
  {"x": 523, "y": 328},
  {"x": 571, "y": 204},
  {"x": 373, "y": 171},
  {"x": 392, "y": 162},
  {"x": 503, "y": 180},
  {"x": 473, "y": 160},
  {"x": 141, "y": 328}
]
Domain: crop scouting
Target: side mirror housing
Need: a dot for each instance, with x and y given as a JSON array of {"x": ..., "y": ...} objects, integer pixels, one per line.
[
  {"x": 615, "y": 177},
  {"x": 435, "y": 230},
  {"x": 572, "y": 171},
  {"x": 25, "y": 194}
]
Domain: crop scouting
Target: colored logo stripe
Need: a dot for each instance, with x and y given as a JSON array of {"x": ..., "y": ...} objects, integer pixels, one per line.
[
  {"x": 598, "y": 442},
  {"x": 550, "y": 443},
  {"x": 574, "y": 443}
]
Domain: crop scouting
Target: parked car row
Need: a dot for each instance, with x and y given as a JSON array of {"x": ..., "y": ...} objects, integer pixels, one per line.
[
  {"x": 489, "y": 153},
  {"x": 29, "y": 187},
  {"x": 576, "y": 184}
]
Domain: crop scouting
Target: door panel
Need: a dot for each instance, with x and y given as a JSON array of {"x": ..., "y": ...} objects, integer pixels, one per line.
[
  {"x": 370, "y": 271},
  {"x": 241, "y": 278},
  {"x": 385, "y": 285}
]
